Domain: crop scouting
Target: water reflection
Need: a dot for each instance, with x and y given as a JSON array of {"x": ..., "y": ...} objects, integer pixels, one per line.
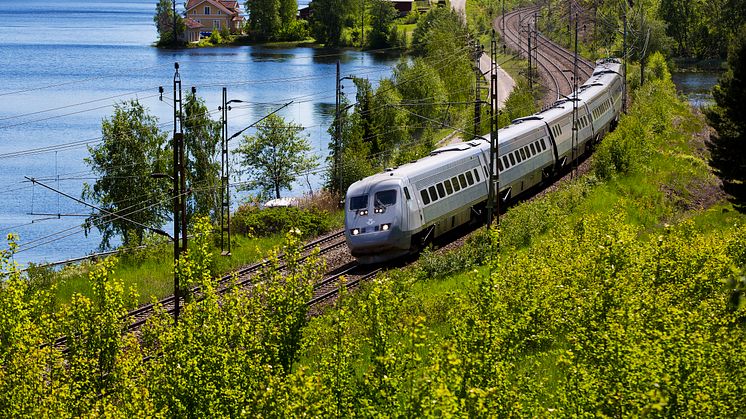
[{"x": 697, "y": 87}]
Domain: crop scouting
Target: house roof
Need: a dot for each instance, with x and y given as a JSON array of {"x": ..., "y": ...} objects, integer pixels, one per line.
[
  {"x": 191, "y": 4},
  {"x": 192, "y": 24}
]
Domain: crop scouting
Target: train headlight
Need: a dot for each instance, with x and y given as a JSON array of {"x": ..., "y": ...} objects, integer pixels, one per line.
[
  {"x": 363, "y": 212},
  {"x": 385, "y": 227},
  {"x": 355, "y": 231},
  {"x": 380, "y": 210}
]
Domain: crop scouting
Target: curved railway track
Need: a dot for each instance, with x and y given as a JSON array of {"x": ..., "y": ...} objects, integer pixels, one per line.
[{"x": 555, "y": 64}]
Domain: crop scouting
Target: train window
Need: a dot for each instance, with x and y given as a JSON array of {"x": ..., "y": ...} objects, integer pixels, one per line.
[
  {"x": 500, "y": 165},
  {"x": 425, "y": 196},
  {"x": 449, "y": 188},
  {"x": 543, "y": 144},
  {"x": 469, "y": 178},
  {"x": 433, "y": 193},
  {"x": 476, "y": 175},
  {"x": 533, "y": 149},
  {"x": 358, "y": 202},
  {"x": 505, "y": 162},
  {"x": 441, "y": 190},
  {"x": 523, "y": 153},
  {"x": 385, "y": 198},
  {"x": 406, "y": 193},
  {"x": 462, "y": 179},
  {"x": 512, "y": 159},
  {"x": 456, "y": 186}
]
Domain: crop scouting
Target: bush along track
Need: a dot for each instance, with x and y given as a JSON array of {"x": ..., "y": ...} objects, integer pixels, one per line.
[{"x": 617, "y": 295}]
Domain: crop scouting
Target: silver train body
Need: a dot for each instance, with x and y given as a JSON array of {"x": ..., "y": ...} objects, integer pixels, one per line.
[{"x": 393, "y": 213}]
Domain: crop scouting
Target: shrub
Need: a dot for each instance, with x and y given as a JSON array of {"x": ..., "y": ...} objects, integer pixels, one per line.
[
  {"x": 215, "y": 38},
  {"x": 295, "y": 30},
  {"x": 251, "y": 220}
]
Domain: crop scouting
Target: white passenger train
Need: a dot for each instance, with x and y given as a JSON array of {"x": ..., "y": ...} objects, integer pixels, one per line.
[{"x": 396, "y": 212}]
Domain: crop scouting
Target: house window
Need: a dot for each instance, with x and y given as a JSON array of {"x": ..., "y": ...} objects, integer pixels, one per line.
[
  {"x": 216, "y": 24},
  {"x": 207, "y": 10}
]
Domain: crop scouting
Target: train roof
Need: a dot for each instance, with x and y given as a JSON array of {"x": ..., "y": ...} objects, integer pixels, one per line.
[{"x": 437, "y": 158}]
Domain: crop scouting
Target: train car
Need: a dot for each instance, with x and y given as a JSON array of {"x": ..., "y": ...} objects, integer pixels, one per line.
[
  {"x": 393, "y": 213},
  {"x": 397, "y": 212}
]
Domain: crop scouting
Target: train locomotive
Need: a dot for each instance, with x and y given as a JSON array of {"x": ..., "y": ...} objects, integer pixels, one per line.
[{"x": 396, "y": 212}]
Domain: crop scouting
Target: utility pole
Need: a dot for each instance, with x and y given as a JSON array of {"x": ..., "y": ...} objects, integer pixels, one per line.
[
  {"x": 643, "y": 47},
  {"x": 536, "y": 44},
  {"x": 338, "y": 134},
  {"x": 575, "y": 103},
  {"x": 624, "y": 58},
  {"x": 493, "y": 201},
  {"x": 503, "y": 5},
  {"x": 179, "y": 184},
  {"x": 530, "y": 66},
  {"x": 225, "y": 193},
  {"x": 477, "y": 89}
]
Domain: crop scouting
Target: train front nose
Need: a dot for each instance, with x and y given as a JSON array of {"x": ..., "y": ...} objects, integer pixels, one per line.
[{"x": 373, "y": 232}]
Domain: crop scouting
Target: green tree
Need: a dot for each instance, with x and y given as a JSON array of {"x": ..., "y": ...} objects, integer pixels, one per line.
[
  {"x": 728, "y": 117},
  {"x": 132, "y": 148},
  {"x": 382, "y": 15},
  {"x": 276, "y": 155},
  {"x": 264, "y": 18},
  {"x": 328, "y": 18},
  {"x": 201, "y": 138},
  {"x": 164, "y": 23}
]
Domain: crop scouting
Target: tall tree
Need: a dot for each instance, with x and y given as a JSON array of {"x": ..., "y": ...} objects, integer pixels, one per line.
[
  {"x": 382, "y": 15},
  {"x": 276, "y": 156},
  {"x": 132, "y": 148},
  {"x": 164, "y": 23},
  {"x": 728, "y": 117},
  {"x": 201, "y": 138},
  {"x": 264, "y": 18},
  {"x": 328, "y": 19}
]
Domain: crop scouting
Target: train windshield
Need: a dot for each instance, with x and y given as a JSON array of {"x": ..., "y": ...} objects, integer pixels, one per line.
[
  {"x": 358, "y": 202},
  {"x": 385, "y": 198}
]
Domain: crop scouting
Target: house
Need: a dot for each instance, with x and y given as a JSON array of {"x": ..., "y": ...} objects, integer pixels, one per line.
[{"x": 205, "y": 16}]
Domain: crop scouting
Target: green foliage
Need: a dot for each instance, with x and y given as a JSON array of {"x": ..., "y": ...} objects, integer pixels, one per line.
[
  {"x": 250, "y": 220},
  {"x": 164, "y": 23},
  {"x": 657, "y": 68},
  {"x": 215, "y": 38},
  {"x": 728, "y": 117},
  {"x": 201, "y": 138},
  {"x": 328, "y": 18},
  {"x": 132, "y": 148},
  {"x": 647, "y": 125},
  {"x": 274, "y": 20},
  {"x": 276, "y": 156},
  {"x": 382, "y": 15}
]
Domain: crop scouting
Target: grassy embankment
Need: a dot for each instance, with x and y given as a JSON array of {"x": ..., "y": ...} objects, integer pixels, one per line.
[
  {"x": 613, "y": 295},
  {"x": 149, "y": 271}
]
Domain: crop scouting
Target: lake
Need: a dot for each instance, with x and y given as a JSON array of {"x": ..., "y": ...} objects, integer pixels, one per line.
[
  {"x": 66, "y": 63},
  {"x": 696, "y": 86}
]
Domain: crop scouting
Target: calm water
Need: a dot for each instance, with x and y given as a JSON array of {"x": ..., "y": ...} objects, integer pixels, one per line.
[
  {"x": 64, "y": 64},
  {"x": 697, "y": 87}
]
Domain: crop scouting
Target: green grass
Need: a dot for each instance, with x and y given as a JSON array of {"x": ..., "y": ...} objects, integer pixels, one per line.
[{"x": 151, "y": 274}]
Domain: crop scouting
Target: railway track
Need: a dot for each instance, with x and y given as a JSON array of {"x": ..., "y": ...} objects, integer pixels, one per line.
[
  {"x": 555, "y": 64},
  {"x": 140, "y": 315}
]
